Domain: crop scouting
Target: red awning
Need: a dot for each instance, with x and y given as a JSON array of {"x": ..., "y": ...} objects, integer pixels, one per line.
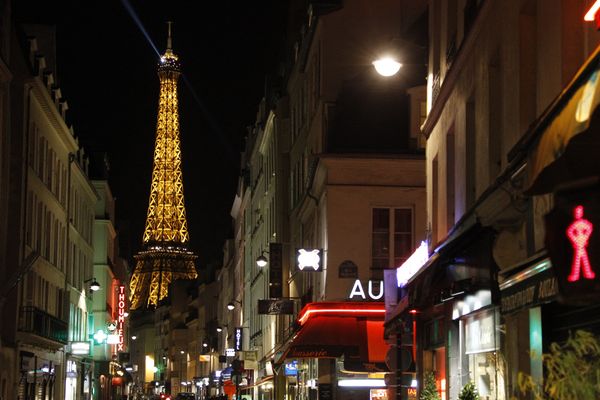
[{"x": 329, "y": 330}]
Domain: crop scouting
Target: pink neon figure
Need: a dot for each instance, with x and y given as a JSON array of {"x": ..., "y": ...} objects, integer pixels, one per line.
[{"x": 579, "y": 233}]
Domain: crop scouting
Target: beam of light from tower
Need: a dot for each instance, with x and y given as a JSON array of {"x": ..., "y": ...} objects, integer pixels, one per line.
[
  {"x": 137, "y": 21},
  {"x": 211, "y": 121}
]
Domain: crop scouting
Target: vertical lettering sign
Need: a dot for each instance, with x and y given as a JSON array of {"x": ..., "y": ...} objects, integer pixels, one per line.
[
  {"x": 121, "y": 318},
  {"x": 275, "y": 270},
  {"x": 238, "y": 339}
]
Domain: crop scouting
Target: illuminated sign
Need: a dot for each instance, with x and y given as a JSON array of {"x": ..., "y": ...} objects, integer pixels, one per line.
[
  {"x": 276, "y": 307},
  {"x": 100, "y": 336},
  {"x": 230, "y": 352},
  {"x": 291, "y": 368},
  {"x": 71, "y": 369},
  {"x": 311, "y": 260},
  {"x": 80, "y": 348},
  {"x": 592, "y": 14},
  {"x": 204, "y": 358},
  {"x": 238, "y": 339},
  {"x": 412, "y": 265},
  {"x": 579, "y": 233},
  {"x": 121, "y": 318},
  {"x": 112, "y": 339},
  {"x": 378, "y": 394},
  {"x": 359, "y": 291}
]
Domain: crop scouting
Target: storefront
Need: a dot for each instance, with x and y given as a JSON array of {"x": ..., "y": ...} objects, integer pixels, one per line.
[
  {"x": 338, "y": 351},
  {"x": 444, "y": 321},
  {"x": 40, "y": 375},
  {"x": 555, "y": 293}
]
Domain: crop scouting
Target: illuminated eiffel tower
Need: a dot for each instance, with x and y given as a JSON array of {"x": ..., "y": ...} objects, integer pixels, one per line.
[{"x": 165, "y": 257}]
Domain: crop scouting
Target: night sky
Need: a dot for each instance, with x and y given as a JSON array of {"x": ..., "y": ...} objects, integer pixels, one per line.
[{"x": 107, "y": 73}]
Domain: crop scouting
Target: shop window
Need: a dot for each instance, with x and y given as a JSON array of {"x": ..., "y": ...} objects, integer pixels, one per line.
[
  {"x": 391, "y": 239},
  {"x": 482, "y": 344},
  {"x": 434, "y": 360}
]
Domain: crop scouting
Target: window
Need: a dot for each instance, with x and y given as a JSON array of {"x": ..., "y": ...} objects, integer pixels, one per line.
[{"x": 391, "y": 240}]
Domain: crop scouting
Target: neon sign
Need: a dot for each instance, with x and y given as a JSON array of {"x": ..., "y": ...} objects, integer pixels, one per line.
[
  {"x": 238, "y": 339},
  {"x": 579, "y": 233},
  {"x": 412, "y": 265},
  {"x": 121, "y": 318}
]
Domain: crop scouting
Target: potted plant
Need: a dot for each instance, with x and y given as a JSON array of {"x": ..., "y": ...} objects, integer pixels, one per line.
[
  {"x": 429, "y": 391},
  {"x": 469, "y": 392}
]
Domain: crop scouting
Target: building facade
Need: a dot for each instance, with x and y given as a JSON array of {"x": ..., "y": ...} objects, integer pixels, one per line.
[
  {"x": 51, "y": 214},
  {"x": 334, "y": 163},
  {"x": 499, "y": 74}
]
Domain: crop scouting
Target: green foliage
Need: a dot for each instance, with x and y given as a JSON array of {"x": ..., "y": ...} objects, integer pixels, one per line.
[
  {"x": 572, "y": 370},
  {"x": 469, "y": 392},
  {"x": 429, "y": 391}
]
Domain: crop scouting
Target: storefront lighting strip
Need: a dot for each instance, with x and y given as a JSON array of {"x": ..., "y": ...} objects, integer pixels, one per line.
[
  {"x": 351, "y": 311},
  {"x": 528, "y": 273},
  {"x": 361, "y": 383}
]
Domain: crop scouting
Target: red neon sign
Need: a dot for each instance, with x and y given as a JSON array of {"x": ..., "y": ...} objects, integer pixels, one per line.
[
  {"x": 341, "y": 309},
  {"x": 121, "y": 318},
  {"x": 579, "y": 233}
]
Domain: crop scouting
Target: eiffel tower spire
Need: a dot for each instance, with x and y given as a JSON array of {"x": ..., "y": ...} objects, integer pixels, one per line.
[{"x": 165, "y": 257}]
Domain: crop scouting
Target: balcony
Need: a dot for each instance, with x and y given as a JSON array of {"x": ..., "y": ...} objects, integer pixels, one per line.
[{"x": 39, "y": 326}]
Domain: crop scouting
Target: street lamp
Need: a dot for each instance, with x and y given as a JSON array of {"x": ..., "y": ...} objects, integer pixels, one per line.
[
  {"x": 94, "y": 286},
  {"x": 219, "y": 329},
  {"x": 387, "y": 66},
  {"x": 231, "y": 305},
  {"x": 261, "y": 261}
]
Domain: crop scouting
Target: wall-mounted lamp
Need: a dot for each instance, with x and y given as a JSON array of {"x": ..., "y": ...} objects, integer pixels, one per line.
[
  {"x": 133, "y": 337},
  {"x": 231, "y": 305},
  {"x": 94, "y": 286},
  {"x": 262, "y": 261},
  {"x": 219, "y": 329}
]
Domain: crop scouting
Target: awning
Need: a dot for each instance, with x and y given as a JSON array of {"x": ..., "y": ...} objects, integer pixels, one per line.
[
  {"x": 330, "y": 330},
  {"x": 567, "y": 136}
]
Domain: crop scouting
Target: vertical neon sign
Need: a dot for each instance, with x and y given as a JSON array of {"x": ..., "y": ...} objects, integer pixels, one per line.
[
  {"x": 579, "y": 233},
  {"x": 121, "y": 318}
]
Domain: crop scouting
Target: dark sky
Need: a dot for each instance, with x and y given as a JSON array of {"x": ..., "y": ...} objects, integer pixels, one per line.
[{"x": 107, "y": 72}]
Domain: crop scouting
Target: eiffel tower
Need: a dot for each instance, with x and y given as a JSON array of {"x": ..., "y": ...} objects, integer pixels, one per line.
[{"x": 165, "y": 256}]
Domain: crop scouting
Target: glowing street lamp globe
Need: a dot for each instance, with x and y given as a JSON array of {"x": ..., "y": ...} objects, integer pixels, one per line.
[
  {"x": 261, "y": 261},
  {"x": 387, "y": 66}
]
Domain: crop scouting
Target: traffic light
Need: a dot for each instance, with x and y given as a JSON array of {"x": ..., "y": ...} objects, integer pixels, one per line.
[{"x": 573, "y": 243}]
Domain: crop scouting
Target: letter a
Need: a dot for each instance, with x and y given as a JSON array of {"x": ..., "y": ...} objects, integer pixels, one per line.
[{"x": 357, "y": 290}]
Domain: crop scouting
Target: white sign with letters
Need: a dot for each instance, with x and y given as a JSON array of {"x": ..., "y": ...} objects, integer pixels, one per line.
[{"x": 359, "y": 291}]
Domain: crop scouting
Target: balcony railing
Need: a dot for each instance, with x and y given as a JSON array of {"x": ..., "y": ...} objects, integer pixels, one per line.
[{"x": 40, "y": 323}]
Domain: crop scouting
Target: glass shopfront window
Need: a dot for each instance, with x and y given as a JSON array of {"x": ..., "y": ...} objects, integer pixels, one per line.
[
  {"x": 434, "y": 357},
  {"x": 485, "y": 361}
]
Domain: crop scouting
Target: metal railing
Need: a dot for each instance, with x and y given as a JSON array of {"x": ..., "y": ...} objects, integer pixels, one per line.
[{"x": 39, "y": 322}]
